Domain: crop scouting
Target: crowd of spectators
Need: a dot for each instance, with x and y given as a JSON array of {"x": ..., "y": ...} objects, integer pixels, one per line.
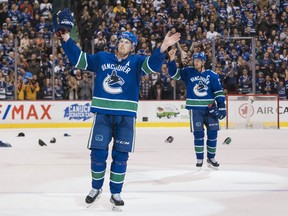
[
  {"x": 28, "y": 25},
  {"x": 28, "y": 73}
]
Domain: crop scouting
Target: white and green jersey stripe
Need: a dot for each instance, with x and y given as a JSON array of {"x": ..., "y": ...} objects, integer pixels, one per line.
[{"x": 116, "y": 105}]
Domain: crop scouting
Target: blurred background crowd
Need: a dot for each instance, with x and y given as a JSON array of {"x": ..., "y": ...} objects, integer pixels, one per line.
[{"x": 29, "y": 71}]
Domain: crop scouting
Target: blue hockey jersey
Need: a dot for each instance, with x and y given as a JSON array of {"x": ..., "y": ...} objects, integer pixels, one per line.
[
  {"x": 117, "y": 82},
  {"x": 202, "y": 88}
]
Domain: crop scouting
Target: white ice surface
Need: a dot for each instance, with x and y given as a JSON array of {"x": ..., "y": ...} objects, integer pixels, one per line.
[{"x": 161, "y": 178}]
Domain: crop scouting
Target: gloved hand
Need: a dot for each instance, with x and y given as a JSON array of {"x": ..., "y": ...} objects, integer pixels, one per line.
[
  {"x": 221, "y": 110},
  {"x": 63, "y": 22},
  {"x": 219, "y": 113}
]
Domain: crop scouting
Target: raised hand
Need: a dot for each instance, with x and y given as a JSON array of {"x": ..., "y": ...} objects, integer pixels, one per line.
[
  {"x": 172, "y": 54},
  {"x": 63, "y": 22},
  {"x": 169, "y": 40}
]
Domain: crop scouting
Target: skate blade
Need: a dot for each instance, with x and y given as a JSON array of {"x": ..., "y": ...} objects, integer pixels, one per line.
[
  {"x": 117, "y": 208},
  {"x": 212, "y": 167},
  {"x": 89, "y": 205}
]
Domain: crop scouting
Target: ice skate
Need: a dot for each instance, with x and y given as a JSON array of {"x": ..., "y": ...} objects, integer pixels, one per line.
[
  {"x": 212, "y": 163},
  {"x": 92, "y": 196},
  {"x": 117, "y": 202},
  {"x": 199, "y": 163}
]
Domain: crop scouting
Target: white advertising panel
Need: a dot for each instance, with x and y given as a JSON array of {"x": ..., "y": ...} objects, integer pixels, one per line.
[{"x": 19, "y": 114}]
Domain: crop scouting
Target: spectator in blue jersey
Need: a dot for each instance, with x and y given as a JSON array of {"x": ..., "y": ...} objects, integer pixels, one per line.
[
  {"x": 114, "y": 102},
  {"x": 205, "y": 101},
  {"x": 267, "y": 86},
  {"x": 10, "y": 89},
  {"x": 281, "y": 91},
  {"x": 286, "y": 83},
  {"x": 3, "y": 86},
  {"x": 245, "y": 82},
  {"x": 15, "y": 15}
]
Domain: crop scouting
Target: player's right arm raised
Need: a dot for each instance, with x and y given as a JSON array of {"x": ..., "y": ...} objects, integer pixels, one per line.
[{"x": 63, "y": 22}]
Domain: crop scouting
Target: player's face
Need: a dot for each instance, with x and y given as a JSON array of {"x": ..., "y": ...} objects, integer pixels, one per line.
[
  {"x": 198, "y": 64},
  {"x": 124, "y": 47}
]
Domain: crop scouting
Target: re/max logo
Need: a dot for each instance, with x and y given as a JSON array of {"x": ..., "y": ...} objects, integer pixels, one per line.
[{"x": 25, "y": 112}]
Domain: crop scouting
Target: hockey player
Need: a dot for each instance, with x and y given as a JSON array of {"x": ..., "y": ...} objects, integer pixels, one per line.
[
  {"x": 114, "y": 102},
  {"x": 203, "y": 90}
]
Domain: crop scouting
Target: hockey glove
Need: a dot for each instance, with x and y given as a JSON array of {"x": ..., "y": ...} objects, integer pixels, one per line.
[
  {"x": 213, "y": 110},
  {"x": 221, "y": 110},
  {"x": 218, "y": 113},
  {"x": 63, "y": 22}
]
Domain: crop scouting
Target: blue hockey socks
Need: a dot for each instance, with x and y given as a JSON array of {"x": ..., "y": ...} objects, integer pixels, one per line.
[
  {"x": 98, "y": 167},
  {"x": 211, "y": 143},
  {"x": 199, "y": 144},
  {"x": 118, "y": 171}
]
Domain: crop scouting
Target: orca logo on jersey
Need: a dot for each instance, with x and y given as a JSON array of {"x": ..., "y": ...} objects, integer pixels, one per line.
[
  {"x": 200, "y": 89},
  {"x": 112, "y": 83}
]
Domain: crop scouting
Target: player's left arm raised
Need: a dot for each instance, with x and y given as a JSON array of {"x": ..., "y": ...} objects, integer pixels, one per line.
[
  {"x": 155, "y": 61},
  {"x": 169, "y": 40}
]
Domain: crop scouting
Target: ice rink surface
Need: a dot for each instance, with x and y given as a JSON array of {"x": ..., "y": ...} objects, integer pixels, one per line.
[{"x": 162, "y": 179}]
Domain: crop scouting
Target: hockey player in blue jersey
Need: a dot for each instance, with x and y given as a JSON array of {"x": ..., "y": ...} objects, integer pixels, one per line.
[
  {"x": 114, "y": 102},
  {"x": 205, "y": 101}
]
